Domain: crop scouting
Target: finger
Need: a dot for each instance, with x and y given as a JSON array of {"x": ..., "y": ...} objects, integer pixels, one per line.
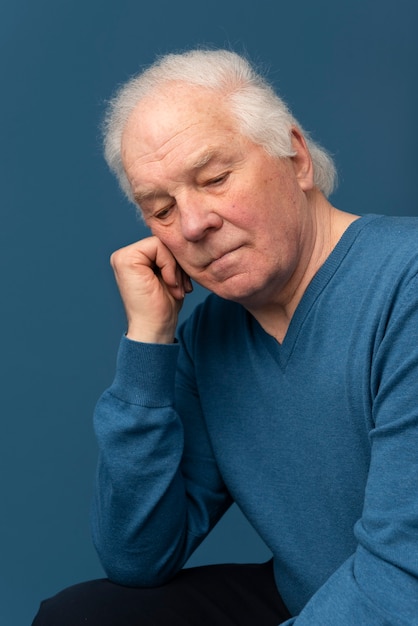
[
  {"x": 187, "y": 283},
  {"x": 170, "y": 272}
]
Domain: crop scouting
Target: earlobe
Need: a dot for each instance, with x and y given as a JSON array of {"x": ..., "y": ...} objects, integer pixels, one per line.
[{"x": 302, "y": 161}]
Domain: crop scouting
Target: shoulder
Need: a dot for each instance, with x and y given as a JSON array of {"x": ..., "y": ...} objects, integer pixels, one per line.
[
  {"x": 389, "y": 230},
  {"x": 378, "y": 271},
  {"x": 384, "y": 244}
]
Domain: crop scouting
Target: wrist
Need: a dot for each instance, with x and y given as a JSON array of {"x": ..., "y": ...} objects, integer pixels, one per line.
[{"x": 150, "y": 335}]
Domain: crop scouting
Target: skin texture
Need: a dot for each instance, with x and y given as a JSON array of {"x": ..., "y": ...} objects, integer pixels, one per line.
[{"x": 247, "y": 226}]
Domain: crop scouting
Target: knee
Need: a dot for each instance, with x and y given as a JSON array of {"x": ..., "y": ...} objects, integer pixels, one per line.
[
  {"x": 72, "y": 606},
  {"x": 44, "y": 616}
]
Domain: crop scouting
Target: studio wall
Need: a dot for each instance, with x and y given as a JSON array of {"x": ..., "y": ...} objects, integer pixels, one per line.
[{"x": 348, "y": 71}]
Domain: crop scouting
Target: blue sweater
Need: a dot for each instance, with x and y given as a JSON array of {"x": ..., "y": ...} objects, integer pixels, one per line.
[{"x": 316, "y": 439}]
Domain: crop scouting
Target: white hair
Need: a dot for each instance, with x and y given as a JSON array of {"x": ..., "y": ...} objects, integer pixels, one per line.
[{"x": 261, "y": 114}]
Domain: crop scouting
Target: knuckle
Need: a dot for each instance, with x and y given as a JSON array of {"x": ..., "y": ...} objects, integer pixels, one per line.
[{"x": 114, "y": 258}]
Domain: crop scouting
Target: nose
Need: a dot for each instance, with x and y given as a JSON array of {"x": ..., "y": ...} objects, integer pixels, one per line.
[{"x": 197, "y": 217}]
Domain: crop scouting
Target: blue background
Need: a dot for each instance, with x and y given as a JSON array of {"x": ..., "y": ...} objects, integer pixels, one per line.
[{"x": 348, "y": 71}]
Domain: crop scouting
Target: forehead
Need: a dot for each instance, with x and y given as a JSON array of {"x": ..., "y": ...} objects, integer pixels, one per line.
[{"x": 173, "y": 115}]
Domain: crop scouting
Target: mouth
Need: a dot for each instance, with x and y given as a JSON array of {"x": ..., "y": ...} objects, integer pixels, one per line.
[
  {"x": 224, "y": 263},
  {"x": 223, "y": 255}
]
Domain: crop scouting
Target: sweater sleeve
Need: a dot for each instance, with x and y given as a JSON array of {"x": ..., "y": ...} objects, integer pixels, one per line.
[
  {"x": 378, "y": 584},
  {"x": 151, "y": 507}
]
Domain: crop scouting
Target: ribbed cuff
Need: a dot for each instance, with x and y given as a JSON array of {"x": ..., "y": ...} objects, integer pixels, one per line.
[{"x": 145, "y": 373}]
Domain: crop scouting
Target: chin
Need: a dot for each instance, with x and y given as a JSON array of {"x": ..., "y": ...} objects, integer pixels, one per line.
[{"x": 245, "y": 294}]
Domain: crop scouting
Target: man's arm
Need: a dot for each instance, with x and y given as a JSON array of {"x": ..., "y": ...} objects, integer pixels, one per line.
[{"x": 151, "y": 507}]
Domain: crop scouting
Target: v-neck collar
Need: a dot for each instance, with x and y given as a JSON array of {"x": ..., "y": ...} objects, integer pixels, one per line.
[{"x": 282, "y": 352}]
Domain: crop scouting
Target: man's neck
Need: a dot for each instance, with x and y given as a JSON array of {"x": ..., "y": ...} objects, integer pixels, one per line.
[{"x": 328, "y": 227}]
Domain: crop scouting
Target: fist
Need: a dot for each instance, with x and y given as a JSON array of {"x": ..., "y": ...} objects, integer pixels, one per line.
[{"x": 152, "y": 286}]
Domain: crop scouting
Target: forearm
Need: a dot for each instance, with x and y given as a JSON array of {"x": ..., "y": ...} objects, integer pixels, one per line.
[
  {"x": 149, "y": 513},
  {"x": 139, "y": 488},
  {"x": 345, "y": 601}
]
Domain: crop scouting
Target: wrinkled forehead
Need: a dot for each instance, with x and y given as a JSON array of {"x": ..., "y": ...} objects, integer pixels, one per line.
[
  {"x": 174, "y": 122},
  {"x": 174, "y": 107}
]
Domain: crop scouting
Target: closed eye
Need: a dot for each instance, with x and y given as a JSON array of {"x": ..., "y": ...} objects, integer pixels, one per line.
[
  {"x": 218, "y": 180},
  {"x": 164, "y": 213}
]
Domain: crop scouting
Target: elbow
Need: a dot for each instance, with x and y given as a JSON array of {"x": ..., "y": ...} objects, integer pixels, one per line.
[
  {"x": 128, "y": 576},
  {"x": 131, "y": 562},
  {"x": 133, "y": 569}
]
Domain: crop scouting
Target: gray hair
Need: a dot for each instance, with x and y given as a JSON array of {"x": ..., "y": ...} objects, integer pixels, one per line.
[{"x": 261, "y": 114}]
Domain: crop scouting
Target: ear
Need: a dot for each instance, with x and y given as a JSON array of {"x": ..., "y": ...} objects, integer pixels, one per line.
[{"x": 302, "y": 161}]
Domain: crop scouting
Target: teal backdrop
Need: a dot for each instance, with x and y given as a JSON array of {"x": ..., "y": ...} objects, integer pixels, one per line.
[{"x": 348, "y": 71}]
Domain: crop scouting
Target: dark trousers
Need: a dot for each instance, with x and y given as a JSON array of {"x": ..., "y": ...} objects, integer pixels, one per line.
[{"x": 213, "y": 595}]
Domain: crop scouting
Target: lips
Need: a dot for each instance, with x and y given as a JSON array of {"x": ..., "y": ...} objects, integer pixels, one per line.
[
  {"x": 221, "y": 255},
  {"x": 224, "y": 265}
]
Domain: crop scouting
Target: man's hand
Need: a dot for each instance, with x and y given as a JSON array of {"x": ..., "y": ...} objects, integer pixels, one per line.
[{"x": 152, "y": 286}]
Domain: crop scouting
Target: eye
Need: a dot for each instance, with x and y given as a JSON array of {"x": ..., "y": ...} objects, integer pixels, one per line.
[
  {"x": 217, "y": 180},
  {"x": 164, "y": 213}
]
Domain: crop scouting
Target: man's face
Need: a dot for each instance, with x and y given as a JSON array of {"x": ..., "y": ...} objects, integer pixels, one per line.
[{"x": 235, "y": 219}]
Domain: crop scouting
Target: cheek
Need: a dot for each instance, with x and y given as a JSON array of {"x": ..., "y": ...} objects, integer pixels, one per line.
[
  {"x": 175, "y": 243},
  {"x": 167, "y": 234},
  {"x": 244, "y": 211}
]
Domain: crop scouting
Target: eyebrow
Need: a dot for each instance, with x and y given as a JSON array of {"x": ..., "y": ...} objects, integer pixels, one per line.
[
  {"x": 203, "y": 160},
  {"x": 210, "y": 155},
  {"x": 199, "y": 163},
  {"x": 140, "y": 196}
]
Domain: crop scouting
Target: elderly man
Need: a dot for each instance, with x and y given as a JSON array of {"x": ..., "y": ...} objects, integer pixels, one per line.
[{"x": 291, "y": 390}]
